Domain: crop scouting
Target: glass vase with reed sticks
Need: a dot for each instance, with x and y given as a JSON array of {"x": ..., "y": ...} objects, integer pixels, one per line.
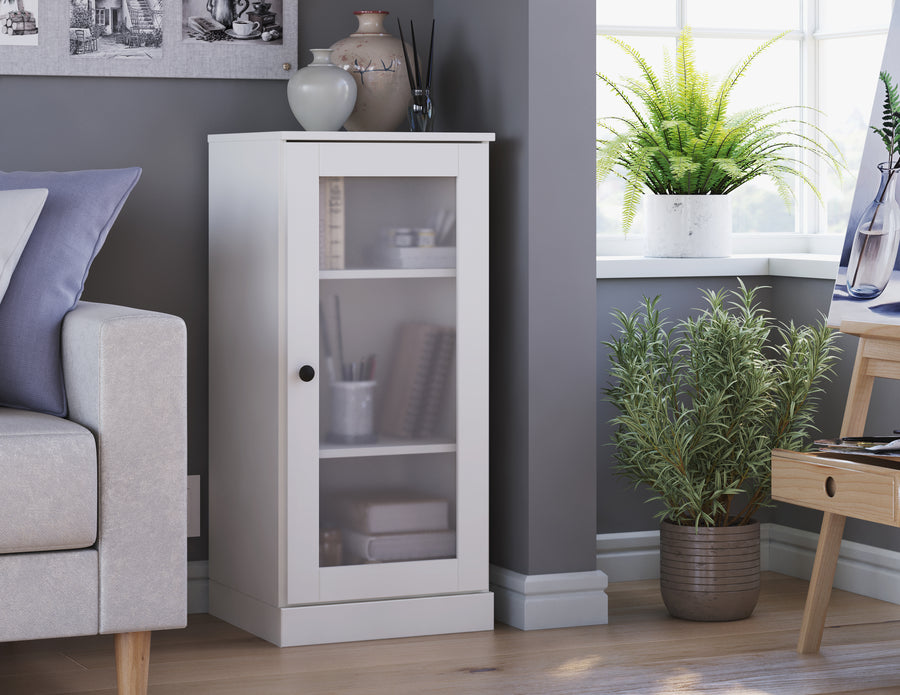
[
  {"x": 876, "y": 239},
  {"x": 421, "y": 110}
]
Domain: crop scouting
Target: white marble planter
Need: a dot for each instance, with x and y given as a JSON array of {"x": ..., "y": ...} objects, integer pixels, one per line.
[{"x": 688, "y": 226}]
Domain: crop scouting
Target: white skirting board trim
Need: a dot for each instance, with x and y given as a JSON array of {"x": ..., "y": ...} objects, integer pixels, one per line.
[
  {"x": 294, "y": 626},
  {"x": 862, "y": 569},
  {"x": 537, "y": 602},
  {"x": 561, "y": 600},
  {"x": 198, "y": 586},
  {"x": 525, "y": 602}
]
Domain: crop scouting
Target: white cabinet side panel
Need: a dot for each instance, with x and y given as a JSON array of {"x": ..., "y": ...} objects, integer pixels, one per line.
[
  {"x": 472, "y": 371},
  {"x": 243, "y": 367}
]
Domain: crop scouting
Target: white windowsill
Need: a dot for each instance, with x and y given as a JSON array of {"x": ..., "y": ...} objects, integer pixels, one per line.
[
  {"x": 797, "y": 265},
  {"x": 779, "y": 255}
]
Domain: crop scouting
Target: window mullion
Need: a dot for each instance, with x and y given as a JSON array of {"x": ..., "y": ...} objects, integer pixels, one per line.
[{"x": 811, "y": 214}]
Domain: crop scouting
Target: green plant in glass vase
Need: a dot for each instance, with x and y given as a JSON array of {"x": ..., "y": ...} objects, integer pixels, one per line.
[
  {"x": 702, "y": 405},
  {"x": 679, "y": 137},
  {"x": 873, "y": 251}
]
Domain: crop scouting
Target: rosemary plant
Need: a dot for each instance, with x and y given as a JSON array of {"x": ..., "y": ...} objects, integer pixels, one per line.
[
  {"x": 679, "y": 138},
  {"x": 702, "y": 405}
]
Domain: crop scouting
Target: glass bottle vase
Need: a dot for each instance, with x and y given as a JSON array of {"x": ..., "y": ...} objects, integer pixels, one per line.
[
  {"x": 876, "y": 240},
  {"x": 421, "y": 112}
]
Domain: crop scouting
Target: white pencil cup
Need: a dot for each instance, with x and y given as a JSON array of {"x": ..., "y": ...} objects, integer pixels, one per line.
[{"x": 352, "y": 412}]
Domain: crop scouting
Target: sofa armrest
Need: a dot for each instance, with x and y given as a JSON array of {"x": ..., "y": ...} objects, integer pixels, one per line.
[{"x": 126, "y": 381}]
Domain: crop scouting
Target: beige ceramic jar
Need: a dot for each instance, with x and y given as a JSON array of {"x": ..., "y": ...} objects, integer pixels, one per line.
[{"x": 375, "y": 59}]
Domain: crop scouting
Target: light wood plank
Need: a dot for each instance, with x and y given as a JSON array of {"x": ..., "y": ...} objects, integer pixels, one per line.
[
  {"x": 820, "y": 583},
  {"x": 851, "y": 488},
  {"x": 860, "y": 391},
  {"x": 642, "y": 651},
  {"x": 132, "y": 662}
]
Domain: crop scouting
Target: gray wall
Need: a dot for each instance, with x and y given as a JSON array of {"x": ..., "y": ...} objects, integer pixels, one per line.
[
  {"x": 496, "y": 71},
  {"x": 155, "y": 256},
  {"x": 503, "y": 76}
]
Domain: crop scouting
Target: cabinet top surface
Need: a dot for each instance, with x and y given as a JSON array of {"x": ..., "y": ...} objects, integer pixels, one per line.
[{"x": 354, "y": 136}]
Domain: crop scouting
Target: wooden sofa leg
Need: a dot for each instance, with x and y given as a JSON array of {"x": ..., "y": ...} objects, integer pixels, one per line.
[{"x": 132, "y": 662}]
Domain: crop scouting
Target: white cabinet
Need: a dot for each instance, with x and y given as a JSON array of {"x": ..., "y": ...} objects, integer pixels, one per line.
[{"x": 348, "y": 384}]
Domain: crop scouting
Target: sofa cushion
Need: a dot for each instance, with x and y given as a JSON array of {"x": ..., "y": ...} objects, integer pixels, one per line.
[
  {"x": 19, "y": 210},
  {"x": 48, "y": 493},
  {"x": 81, "y": 207}
]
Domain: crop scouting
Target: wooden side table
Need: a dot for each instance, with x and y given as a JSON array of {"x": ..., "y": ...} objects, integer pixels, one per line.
[{"x": 861, "y": 487}]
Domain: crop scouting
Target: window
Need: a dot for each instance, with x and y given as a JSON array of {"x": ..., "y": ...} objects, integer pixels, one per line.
[{"x": 829, "y": 61}]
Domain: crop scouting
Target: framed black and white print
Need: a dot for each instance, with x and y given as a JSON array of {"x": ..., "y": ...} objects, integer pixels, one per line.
[
  {"x": 149, "y": 38},
  {"x": 867, "y": 287},
  {"x": 19, "y": 23}
]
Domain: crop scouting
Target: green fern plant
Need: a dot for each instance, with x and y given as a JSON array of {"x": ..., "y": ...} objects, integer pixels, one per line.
[
  {"x": 890, "y": 118},
  {"x": 702, "y": 405},
  {"x": 680, "y": 138}
]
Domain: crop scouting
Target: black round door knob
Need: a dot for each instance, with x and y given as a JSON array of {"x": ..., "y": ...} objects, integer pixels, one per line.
[{"x": 307, "y": 373}]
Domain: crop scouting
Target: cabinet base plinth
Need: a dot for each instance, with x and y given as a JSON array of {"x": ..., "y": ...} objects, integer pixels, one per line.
[{"x": 294, "y": 626}]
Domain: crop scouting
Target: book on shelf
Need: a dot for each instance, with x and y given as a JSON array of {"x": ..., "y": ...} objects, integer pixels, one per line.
[
  {"x": 389, "y": 511},
  {"x": 417, "y": 256},
  {"x": 398, "y": 547},
  {"x": 422, "y": 357},
  {"x": 430, "y": 411},
  {"x": 331, "y": 224}
]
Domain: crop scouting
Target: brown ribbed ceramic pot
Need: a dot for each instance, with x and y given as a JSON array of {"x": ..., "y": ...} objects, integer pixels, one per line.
[{"x": 709, "y": 573}]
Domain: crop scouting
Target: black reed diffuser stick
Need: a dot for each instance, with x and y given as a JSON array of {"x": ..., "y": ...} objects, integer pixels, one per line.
[
  {"x": 412, "y": 31},
  {"x": 421, "y": 110},
  {"x": 409, "y": 74},
  {"x": 430, "y": 56}
]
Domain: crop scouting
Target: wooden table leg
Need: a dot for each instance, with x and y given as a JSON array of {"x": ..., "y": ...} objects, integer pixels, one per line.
[
  {"x": 820, "y": 583},
  {"x": 132, "y": 662}
]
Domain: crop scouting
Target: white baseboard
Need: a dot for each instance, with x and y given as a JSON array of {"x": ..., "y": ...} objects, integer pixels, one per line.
[
  {"x": 537, "y": 602},
  {"x": 198, "y": 586},
  {"x": 526, "y": 602},
  {"x": 625, "y": 557},
  {"x": 579, "y": 598},
  {"x": 862, "y": 569}
]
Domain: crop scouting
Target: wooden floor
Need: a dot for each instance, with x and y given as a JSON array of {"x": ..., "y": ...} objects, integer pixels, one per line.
[{"x": 641, "y": 651}]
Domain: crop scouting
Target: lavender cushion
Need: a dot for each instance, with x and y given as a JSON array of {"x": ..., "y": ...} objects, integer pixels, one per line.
[
  {"x": 19, "y": 211},
  {"x": 49, "y": 278}
]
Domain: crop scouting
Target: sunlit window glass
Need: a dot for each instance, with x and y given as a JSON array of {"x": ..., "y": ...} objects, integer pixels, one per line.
[
  {"x": 778, "y": 15},
  {"x": 837, "y": 65},
  {"x": 647, "y": 13},
  {"x": 844, "y": 15},
  {"x": 848, "y": 77}
]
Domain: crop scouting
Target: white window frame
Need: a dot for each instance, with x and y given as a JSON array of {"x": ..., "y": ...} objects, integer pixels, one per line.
[{"x": 810, "y": 217}]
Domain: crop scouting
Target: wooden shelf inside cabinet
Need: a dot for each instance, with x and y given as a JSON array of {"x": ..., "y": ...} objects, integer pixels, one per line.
[
  {"x": 388, "y": 447},
  {"x": 843, "y": 485}
]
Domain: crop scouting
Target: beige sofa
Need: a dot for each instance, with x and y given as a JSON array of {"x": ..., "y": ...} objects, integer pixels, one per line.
[{"x": 93, "y": 507}]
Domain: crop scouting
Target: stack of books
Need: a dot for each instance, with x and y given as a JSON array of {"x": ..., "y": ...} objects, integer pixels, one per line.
[
  {"x": 393, "y": 526},
  {"x": 331, "y": 223},
  {"x": 417, "y": 384}
]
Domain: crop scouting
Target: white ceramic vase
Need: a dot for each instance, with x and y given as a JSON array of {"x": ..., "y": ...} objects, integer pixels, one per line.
[
  {"x": 321, "y": 95},
  {"x": 375, "y": 59},
  {"x": 688, "y": 226}
]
